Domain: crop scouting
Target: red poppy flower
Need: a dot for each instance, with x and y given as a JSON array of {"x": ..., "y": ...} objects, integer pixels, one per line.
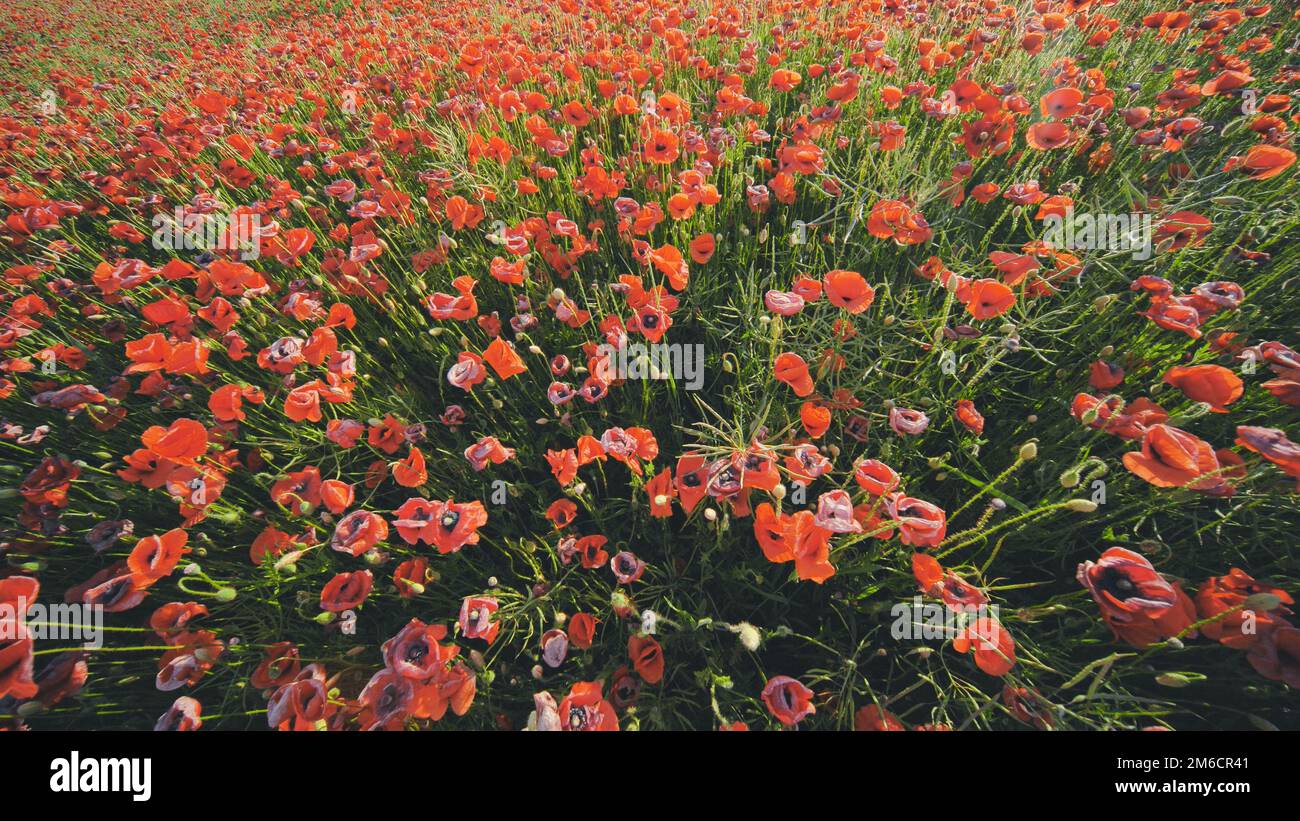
[
  {"x": 155, "y": 557},
  {"x": 1171, "y": 457},
  {"x": 661, "y": 490},
  {"x": 647, "y": 658},
  {"x": 788, "y": 700},
  {"x": 816, "y": 418},
  {"x": 410, "y": 471},
  {"x": 585, "y": 709},
  {"x": 358, "y": 532},
  {"x": 987, "y": 298},
  {"x": 1273, "y": 445},
  {"x": 873, "y": 718},
  {"x": 1214, "y": 385},
  {"x": 279, "y": 666},
  {"x": 994, "y": 649},
  {"x": 691, "y": 480},
  {"x": 920, "y": 524},
  {"x": 848, "y": 290},
  {"x": 1105, "y": 375},
  {"x": 183, "y": 439},
  {"x": 503, "y": 359},
  {"x": 336, "y": 496},
  {"x": 875, "y": 477},
  {"x": 582, "y": 630},
  {"x": 969, "y": 417},
  {"x": 346, "y": 591},
  {"x": 793, "y": 371},
  {"x": 1222, "y": 600},
  {"x": 1138, "y": 605},
  {"x": 17, "y": 595},
  {"x": 1277, "y": 656}
]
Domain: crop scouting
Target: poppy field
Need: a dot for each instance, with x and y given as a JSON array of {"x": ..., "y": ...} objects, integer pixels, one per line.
[{"x": 632, "y": 364}]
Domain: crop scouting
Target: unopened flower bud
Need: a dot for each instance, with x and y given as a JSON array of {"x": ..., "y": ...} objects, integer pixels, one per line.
[
  {"x": 750, "y": 638},
  {"x": 1261, "y": 601}
]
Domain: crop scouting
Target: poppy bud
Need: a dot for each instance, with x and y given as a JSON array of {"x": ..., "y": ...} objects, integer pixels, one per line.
[
  {"x": 325, "y": 617},
  {"x": 1070, "y": 478},
  {"x": 1081, "y": 505},
  {"x": 1173, "y": 680},
  {"x": 710, "y": 514},
  {"x": 30, "y": 708},
  {"x": 226, "y": 594},
  {"x": 749, "y": 636},
  {"x": 1028, "y": 451},
  {"x": 779, "y": 491},
  {"x": 1261, "y": 601},
  {"x": 934, "y": 462}
]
